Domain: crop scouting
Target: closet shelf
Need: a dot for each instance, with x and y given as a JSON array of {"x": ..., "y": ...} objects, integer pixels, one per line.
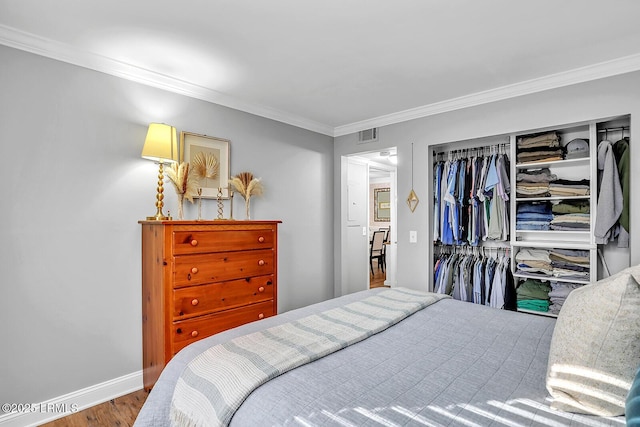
[
  {"x": 546, "y": 244},
  {"x": 550, "y": 278},
  {"x": 538, "y": 165},
  {"x": 579, "y": 236},
  {"x": 551, "y": 198}
]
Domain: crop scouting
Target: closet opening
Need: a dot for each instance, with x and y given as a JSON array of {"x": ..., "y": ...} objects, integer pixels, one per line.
[
  {"x": 549, "y": 208},
  {"x": 469, "y": 230}
]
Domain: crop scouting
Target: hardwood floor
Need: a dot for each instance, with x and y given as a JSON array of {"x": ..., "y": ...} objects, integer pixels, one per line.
[
  {"x": 122, "y": 411},
  {"x": 118, "y": 412},
  {"x": 377, "y": 280}
]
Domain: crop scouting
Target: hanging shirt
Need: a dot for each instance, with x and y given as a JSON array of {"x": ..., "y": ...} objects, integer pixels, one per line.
[
  {"x": 450, "y": 198},
  {"x": 478, "y": 282},
  {"x": 460, "y": 223},
  {"x": 621, "y": 151},
  {"x": 436, "y": 204},
  {"x": 446, "y": 234},
  {"x": 496, "y": 299},
  {"x": 489, "y": 273},
  {"x": 492, "y": 175}
]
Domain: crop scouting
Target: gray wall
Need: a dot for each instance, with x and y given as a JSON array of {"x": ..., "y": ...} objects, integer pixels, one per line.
[
  {"x": 73, "y": 186},
  {"x": 593, "y": 100}
]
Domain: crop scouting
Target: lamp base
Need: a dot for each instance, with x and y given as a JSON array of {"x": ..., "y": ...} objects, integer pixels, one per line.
[{"x": 158, "y": 218}]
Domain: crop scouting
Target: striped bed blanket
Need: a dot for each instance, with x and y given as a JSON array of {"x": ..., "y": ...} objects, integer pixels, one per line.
[{"x": 214, "y": 384}]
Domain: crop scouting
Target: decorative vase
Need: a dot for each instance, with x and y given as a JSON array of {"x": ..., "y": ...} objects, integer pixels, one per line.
[
  {"x": 180, "y": 207},
  {"x": 199, "y": 204},
  {"x": 247, "y": 204}
]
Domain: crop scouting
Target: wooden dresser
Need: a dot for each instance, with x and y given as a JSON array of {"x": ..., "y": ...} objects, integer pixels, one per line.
[{"x": 200, "y": 278}]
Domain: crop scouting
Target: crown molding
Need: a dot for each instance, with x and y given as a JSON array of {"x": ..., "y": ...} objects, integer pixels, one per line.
[
  {"x": 601, "y": 70},
  {"x": 63, "y": 52}
]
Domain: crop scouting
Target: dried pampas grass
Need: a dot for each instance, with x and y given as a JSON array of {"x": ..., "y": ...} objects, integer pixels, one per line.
[
  {"x": 247, "y": 185},
  {"x": 184, "y": 180}
]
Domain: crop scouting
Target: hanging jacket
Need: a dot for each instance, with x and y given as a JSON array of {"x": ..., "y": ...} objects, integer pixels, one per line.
[
  {"x": 621, "y": 151},
  {"x": 610, "y": 198}
]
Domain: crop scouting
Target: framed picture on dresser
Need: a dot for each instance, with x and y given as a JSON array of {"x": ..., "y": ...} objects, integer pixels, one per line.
[{"x": 195, "y": 148}]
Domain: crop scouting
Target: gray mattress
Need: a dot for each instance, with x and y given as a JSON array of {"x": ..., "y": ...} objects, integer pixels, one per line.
[{"x": 451, "y": 364}]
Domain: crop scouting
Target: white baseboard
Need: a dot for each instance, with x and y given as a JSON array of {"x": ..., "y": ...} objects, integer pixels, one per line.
[{"x": 61, "y": 406}]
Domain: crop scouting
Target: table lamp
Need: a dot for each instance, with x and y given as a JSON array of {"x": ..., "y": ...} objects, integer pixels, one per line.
[{"x": 160, "y": 145}]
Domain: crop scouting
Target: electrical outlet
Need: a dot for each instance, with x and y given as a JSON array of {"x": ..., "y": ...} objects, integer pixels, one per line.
[{"x": 413, "y": 236}]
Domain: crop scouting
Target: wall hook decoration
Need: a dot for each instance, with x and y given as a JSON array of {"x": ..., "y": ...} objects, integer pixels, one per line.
[{"x": 412, "y": 200}]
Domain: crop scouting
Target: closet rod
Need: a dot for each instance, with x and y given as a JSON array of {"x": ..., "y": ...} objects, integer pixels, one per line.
[
  {"x": 614, "y": 129},
  {"x": 440, "y": 247},
  {"x": 503, "y": 145}
]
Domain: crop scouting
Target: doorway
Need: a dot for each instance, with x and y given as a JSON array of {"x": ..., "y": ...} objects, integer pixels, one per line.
[{"x": 370, "y": 180}]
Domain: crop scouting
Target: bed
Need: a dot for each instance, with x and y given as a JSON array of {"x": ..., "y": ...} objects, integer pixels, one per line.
[{"x": 449, "y": 364}]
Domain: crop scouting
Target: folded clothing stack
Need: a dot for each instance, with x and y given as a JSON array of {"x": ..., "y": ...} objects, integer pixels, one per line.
[
  {"x": 568, "y": 187},
  {"x": 570, "y": 264},
  {"x": 536, "y": 175},
  {"x": 532, "y": 189},
  {"x": 534, "y": 183},
  {"x": 533, "y": 294},
  {"x": 534, "y": 261},
  {"x": 539, "y": 148},
  {"x": 559, "y": 293},
  {"x": 533, "y": 216},
  {"x": 571, "y": 222},
  {"x": 571, "y": 215},
  {"x": 571, "y": 206}
]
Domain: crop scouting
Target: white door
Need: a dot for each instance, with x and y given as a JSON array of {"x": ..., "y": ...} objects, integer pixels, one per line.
[
  {"x": 355, "y": 261},
  {"x": 393, "y": 241}
]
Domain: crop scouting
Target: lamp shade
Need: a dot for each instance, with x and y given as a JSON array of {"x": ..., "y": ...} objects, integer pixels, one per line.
[{"x": 161, "y": 144}]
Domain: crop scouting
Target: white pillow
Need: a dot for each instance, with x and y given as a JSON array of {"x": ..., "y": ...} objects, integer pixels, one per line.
[{"x": 595, "y": 349}]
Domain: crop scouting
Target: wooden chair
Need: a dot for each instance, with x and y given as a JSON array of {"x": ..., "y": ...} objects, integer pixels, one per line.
[
  {"x": 387, "y": 234},
  {"x": 376, "y": 250}
]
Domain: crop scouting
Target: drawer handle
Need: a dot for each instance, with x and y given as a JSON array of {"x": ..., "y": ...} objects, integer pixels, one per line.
[
  {"x": 261, "y": 316},
  {"x": 261, "y": 239},
  {"x": 261, "y": 262},
  {"x": 195, "y": 302},
  {"x": 194, "y": 334},
  {"x": 194, "y": 270},
  {"x": 194, "y": 242},
  {"x": 261, "y": 289}
]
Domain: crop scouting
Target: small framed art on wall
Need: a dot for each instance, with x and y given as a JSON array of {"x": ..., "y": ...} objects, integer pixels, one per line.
[{"x": 212, "y": 154}]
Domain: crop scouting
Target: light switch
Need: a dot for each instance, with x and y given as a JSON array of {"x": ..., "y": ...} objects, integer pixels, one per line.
[{"x": 413, "y": 236}]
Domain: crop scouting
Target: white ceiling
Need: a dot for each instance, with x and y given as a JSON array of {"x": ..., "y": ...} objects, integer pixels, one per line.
[{"x": 336, "y": 66}]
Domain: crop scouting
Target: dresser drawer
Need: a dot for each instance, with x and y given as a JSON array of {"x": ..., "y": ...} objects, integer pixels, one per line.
[
  {"x": 187, "y": 331},
  {"x": 198, "y": 300},
  {"x": 220, "y": 267},
  {"x": 196, "y": 242}
]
